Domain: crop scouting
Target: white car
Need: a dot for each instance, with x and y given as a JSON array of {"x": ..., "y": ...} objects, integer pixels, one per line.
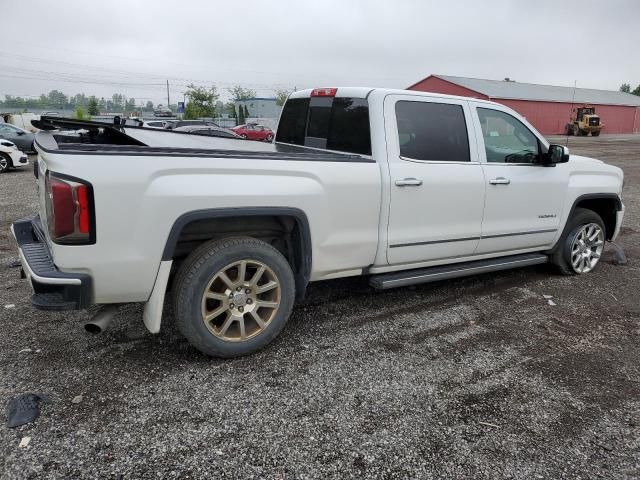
[
  {"x": 11, "y": 156},
  {"x": 400, "y": 186}
]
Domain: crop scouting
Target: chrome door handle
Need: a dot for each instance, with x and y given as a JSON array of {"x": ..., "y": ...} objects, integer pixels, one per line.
[
  {"x": 408, "y": 182},
  {"x": 500, "y": 181}
]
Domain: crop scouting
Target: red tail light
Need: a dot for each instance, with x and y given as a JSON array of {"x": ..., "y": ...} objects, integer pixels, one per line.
[
  {"x": 324, "y": 92},
  {"x": 69, "y": 206}
]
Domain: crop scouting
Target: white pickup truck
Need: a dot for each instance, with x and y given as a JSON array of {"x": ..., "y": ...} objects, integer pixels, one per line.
[{"x": 403, "y": 187}]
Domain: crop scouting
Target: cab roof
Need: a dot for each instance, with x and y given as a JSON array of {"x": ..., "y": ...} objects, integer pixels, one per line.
[{"x": 365, "y": 92}]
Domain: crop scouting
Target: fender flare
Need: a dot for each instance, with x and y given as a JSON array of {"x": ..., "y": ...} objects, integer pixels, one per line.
[
  {"x": 581, "y": 198},
  {"x": 302, "y": 273}
]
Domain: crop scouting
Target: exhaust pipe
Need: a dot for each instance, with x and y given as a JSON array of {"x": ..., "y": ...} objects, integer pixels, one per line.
[{"x": 101, "y": 320}]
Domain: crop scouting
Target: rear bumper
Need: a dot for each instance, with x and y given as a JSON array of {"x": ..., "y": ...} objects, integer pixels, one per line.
[{"x": 53, "y": 289}]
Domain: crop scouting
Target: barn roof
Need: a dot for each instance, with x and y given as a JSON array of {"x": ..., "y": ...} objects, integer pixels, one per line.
[{"x": 550, "y": 93}]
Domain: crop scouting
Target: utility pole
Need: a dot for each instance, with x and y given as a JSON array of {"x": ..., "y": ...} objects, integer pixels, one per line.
[{"x": 168, "y": 101}]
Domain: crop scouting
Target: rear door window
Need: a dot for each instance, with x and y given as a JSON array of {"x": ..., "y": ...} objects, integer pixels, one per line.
[
  {"x": 432, "y": 131},
  {"x": 340, "y": 124}
]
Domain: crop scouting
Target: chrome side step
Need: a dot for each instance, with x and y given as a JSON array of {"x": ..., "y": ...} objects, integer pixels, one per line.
[{"x": 433, "y": 274}]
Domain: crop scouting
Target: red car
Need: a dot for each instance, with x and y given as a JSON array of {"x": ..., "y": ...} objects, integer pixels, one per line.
[{"x": 253, "y": 131}]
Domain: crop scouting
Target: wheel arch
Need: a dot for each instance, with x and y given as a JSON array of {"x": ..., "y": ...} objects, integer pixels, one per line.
[
  {"x": 8, "y": 158},
  {"x": 293, "y": 220},
  {"x": 604, "y": 204}
]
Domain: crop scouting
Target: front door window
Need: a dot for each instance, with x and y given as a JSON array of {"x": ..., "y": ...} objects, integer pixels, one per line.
[{"x": 507, "y": 139}]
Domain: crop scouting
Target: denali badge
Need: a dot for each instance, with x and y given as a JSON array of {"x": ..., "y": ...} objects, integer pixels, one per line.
[{"x": 548, "y": 215}]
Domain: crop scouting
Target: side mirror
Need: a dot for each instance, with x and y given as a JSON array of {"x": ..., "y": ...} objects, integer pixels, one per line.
[
  {"x": 556, "y": 154},
  {"x": 19, "y": 132}
]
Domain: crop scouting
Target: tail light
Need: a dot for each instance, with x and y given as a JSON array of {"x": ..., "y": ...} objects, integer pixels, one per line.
[
  {"x": 324, "y": 92},
  {"x": 69, "y": 205}
]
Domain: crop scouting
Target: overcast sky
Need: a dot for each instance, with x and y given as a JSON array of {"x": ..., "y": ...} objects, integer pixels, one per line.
[{"x": 133, "y": 46}]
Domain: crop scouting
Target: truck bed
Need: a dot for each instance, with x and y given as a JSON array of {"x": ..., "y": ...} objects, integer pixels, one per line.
[{"x": 61, "y": 135}]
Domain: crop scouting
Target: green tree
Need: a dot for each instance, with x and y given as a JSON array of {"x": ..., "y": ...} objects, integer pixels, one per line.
[
  {"x": 636, "y": 91},
  {"x": 625, "y": 87},
  {"x": 57, "y": 99},
  {"x": 149, "y": 106},
  {"x": 230, "y": 109},
  {"x": 117, "y": 102},
  {"x": 79, "y": 113},
  {"x": 130, "y": 105},
  {"x": 241, "y": 117},
  {"x": 92, "y": 106},
  {"x": 240, "y": 93},
  {"x": 281, "y": 96},
  {"x": 202, "y": 102},
  {"x": 246, "y": 112}
]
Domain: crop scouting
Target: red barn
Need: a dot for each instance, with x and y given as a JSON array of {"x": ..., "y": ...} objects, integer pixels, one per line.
[{"x": 547, "y": 107}]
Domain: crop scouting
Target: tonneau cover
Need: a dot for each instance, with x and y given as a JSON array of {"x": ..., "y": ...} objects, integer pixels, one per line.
[{"x": 138, "y": 141}]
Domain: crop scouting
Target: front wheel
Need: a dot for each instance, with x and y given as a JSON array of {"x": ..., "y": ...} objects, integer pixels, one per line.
[
  {"x": 5, "y": 163},
  {"x": 270, "y": 137},
  {"x": 581, "y": 247},
  {"x": 233, "y": 296}
]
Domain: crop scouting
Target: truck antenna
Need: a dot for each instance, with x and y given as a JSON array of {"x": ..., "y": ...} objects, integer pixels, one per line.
[{"x": 573, "y": 98}]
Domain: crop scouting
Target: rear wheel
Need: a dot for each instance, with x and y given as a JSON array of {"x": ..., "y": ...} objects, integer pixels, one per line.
[
  {"x": 5, "y": 162},
  {"x": 269, "y": 137},
  {"x": 233, "y": 296},
  {"x": 581, "y": 247}
]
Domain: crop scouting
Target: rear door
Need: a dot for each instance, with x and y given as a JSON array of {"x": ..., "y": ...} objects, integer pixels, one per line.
[
  {"x": 524, "y": 200},
  {"x": 437, "y": 185}
]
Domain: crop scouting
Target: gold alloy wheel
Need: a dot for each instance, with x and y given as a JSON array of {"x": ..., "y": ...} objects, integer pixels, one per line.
[{"x": 241, "y": 300}]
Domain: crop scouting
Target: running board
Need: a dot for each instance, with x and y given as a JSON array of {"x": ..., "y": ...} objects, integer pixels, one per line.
[{"x": 433, "y": 274}]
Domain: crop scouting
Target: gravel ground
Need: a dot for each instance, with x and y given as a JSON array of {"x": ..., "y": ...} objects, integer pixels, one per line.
[{"x": 472, "y": 378}]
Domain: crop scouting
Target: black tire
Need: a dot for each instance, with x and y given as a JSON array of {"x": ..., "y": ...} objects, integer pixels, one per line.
[
  {"x": 561, "y": 256},
  {"x": 243, "y": 136},
  {"x": 595, "y": 134},
  {"x": 269, "y": 137},
  {"x": 200, "y": 268},
  {"x": 5, "y": 162}
]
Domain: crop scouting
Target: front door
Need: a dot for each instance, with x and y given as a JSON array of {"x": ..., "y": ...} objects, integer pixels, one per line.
[
  {"x": 524, "y": 199},
  {"x": 437, "y": 187}
]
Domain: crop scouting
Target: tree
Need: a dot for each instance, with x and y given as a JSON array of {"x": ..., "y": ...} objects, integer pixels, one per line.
[
  {"x": 202, "y": 102},
  {"x": 636, "y": 91},
  {"x": 57, "y": 99},
  {"x": 241, "y": 117},
  {"x": 79, "y": 113},
  {"x": 130, "y": 105},
  {"x": 92, "y": 106},
  {"x": 246, "y": 112},
  {"x": 281, "y": 96},
  {"x": 240, "y": 93},
  {"x": 625, "y": 87},
  {"x": 117, "y": 102},
  {"x": 149, "y": 106},
  {"x": 230, "y": 108}
]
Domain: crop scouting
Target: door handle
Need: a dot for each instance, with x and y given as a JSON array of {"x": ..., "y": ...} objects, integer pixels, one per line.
[
  {"x": 408, "y": 182},
  {"x": 500, "y": 181}
]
